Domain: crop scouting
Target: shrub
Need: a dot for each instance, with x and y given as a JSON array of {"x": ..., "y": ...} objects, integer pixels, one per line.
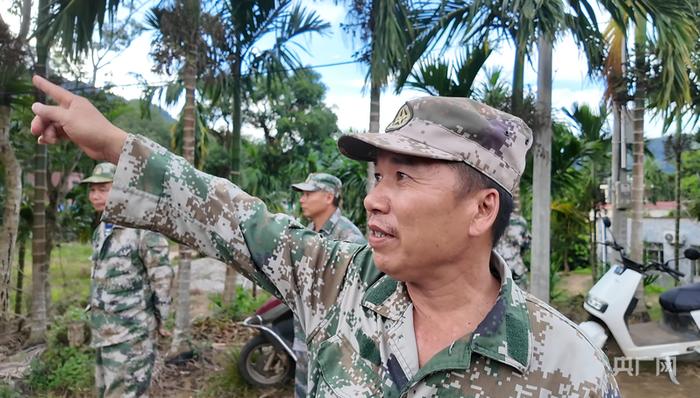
[
  {"x": 243, "y": 305},
  {"x": 61, "y": 369}
]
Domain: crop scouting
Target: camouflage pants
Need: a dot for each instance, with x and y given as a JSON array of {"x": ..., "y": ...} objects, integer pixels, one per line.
[
  {"x": 124, "y": 369},
  {"x": 301, "y": 372}
]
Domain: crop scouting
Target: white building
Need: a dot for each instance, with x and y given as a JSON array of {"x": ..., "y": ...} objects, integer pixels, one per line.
[{"x": 659, "y": 236}]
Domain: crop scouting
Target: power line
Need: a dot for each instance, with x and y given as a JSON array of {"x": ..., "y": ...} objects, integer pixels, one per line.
[
  {"x": 165, "y": 83},
  {"x": 85, "y": 88}
]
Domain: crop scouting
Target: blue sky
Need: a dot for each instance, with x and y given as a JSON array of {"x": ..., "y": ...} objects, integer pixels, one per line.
[{"x": 345, "y": 82}]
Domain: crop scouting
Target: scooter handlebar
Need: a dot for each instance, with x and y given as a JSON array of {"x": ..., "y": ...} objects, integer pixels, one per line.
[
  {"x": 677, "y": 275},
  {"x": 611, "y": 245}
]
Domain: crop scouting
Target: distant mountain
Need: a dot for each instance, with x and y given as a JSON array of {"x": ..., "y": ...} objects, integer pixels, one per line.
[
  {"x": 656, "y": 147},
  {"x": 156, "y": 127}
]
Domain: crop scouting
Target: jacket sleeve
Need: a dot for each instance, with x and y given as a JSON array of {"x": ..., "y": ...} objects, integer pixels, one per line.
[
  {"x": 154, "y": 250},
  {"x": 157, "y": 190}
]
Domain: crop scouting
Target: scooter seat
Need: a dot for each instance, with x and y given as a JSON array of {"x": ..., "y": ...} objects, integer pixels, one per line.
[{"x": 681, "y": 299}]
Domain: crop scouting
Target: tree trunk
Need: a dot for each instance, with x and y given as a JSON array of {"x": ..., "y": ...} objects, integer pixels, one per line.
[
  {"x": 542, "y": 175},
  {"x": 374, "y": 108},
  {"x": 10, "y": 225},
  {"x": 636, "y": 236},
  {"x": 593, "y": 246},
  {"x": 679, "y": 174},
  {"x": 516, "y": 102},
  {"x": 636, "y": 243},
  {"x": 39, "y": 259},
  {"x": 235, "y": 156},
  {"x": 19, "y": 291},
  {"x": 593, "y": 259},
  {"x": 181, "y": 336},
  {"x": 618, "y": 180}
]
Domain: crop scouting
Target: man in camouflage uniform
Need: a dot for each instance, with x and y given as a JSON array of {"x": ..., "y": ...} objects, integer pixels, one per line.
[
  {"x": 512, "y": 246},
  {"x": 426, "y": 309},
  {"x": 129, "y": 297},
  {"x": 320, "y": 201}
]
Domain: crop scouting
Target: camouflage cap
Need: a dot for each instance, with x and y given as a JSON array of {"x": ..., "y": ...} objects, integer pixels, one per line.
[
  {"x": 320, "y": 182},
  {"x": 451, "y": 128},
  {"x": 103, "y": 172}
]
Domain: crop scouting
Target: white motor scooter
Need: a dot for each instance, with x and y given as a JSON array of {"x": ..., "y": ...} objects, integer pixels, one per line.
[{"x": 611, "y": 300}]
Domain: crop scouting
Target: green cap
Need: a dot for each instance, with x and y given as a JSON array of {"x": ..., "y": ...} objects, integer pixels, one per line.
[
  {"x": 103, "y": 172},
  {"x": 455, "y": 129},
  {"x": 320, "y": 182}
]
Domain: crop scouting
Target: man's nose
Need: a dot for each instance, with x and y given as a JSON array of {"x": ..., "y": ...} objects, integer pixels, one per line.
[{"x": 376, "y": 200}]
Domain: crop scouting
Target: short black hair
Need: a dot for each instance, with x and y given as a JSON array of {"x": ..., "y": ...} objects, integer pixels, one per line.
[
  {"x": 472, "y": 180},
  {"x": 336, "y": 200}
]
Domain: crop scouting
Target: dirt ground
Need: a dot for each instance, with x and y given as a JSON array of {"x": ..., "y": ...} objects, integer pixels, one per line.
[
  {"x": 644, "y": 381},
  {"x": 211, "y": 373}
]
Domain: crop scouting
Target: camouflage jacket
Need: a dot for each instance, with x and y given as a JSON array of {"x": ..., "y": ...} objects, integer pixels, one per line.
[
  {"x": 130, "y": 289},
  {"x": 340, "y": 227},
  {"x": 358, "y": 321}
]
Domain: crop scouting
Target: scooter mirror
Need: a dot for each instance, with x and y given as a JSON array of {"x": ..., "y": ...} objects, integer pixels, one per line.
[
  {"x": 691, "y": 253},
  {"x": 606, "y": 222}
]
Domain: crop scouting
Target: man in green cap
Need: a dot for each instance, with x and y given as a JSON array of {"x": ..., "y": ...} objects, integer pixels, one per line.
[
  {"x": 129, "y": 297},
  {"x": 427, "y": 309},
  {"x": 320, "y": 203}
]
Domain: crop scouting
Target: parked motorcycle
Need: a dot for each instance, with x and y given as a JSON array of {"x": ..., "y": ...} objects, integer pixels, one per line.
[
  {"x": 268, "y": 360},
  {"x": 611, "y": 300}
]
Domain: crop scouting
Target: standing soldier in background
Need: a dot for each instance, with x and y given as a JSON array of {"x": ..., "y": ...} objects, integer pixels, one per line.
[
  {"x": 512, "y": 247},
  {"x": 129, "y": 297},
  {"x": 320, "y": 203}
]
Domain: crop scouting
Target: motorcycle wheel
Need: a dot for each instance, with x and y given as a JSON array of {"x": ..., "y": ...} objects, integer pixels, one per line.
[{"x": 261, "y": 364}]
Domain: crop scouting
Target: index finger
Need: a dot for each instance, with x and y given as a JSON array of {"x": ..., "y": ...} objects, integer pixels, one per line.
[{"x": 58, "y": 93}]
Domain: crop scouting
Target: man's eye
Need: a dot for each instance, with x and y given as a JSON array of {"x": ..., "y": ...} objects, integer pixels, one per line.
[
  {"x": 377, "y": 177},
  {"x": 401, "y": 176}
]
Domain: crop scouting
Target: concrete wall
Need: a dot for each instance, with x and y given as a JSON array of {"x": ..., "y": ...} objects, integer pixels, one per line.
[{"x": 656, "y": 231}]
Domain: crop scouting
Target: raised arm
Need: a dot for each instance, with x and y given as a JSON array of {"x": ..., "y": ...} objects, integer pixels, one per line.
[
  {"x": 157, "y": 190},
  {"x": 154, "y": 189}
]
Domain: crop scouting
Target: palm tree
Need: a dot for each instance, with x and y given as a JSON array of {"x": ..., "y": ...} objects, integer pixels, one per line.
[
  {"x": 75, "y": 22},
  {"x": 384, "y": 31},
  {"x": 591, "y": 132},
  {"x": 40, "y": 247},
  {"x": 240, "y": 37},
  {"x": 666, "y": 52},
  {"x": 243, "y": 30},
  {"x": 178, "y": 38},
  {"x": 659, "y": 77},
  {"x": 12, "y": 73},
  {"x": 435, "y": 76}
]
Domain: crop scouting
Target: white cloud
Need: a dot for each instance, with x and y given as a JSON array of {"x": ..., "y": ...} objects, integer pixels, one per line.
[
  {"x": 328, "y": 11},
  {"x": 353, "y": 109}
]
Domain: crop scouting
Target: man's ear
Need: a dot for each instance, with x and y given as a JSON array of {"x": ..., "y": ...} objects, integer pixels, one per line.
[
  {"x": 486, "y": 206},
  {"x": 329, "y": 198}
]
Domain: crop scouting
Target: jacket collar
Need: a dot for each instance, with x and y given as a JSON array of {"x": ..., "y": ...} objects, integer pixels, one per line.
[{"x": 504, "y": 334}]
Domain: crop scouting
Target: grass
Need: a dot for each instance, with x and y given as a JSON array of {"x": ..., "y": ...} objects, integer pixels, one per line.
[
  {"x": 67, "y": 371},
  {"x": 228, "y": 382},
  {"x": 70, "y": 271},
  {"x": 582, "y": 271},
  {"x": 568, "y": 303},
  {"x": 69, "y": 275},
  {"x": 651, "y": 296}
]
